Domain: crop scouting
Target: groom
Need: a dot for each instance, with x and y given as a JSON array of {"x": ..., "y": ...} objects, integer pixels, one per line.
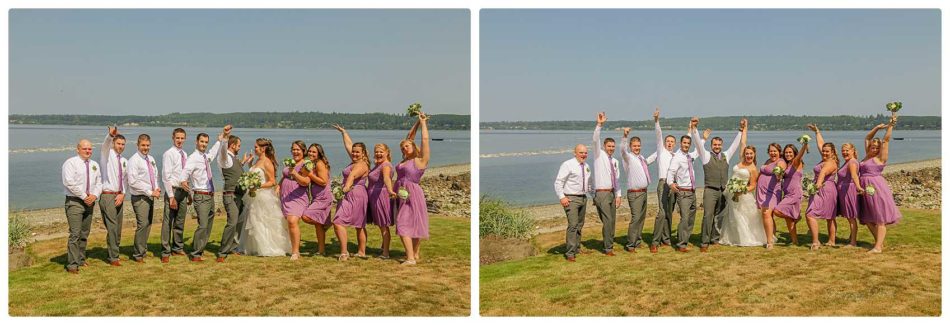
[
  {"x": 197, "y": 178},
  {"x": 715, "y": 177},
  {"x": 233, "y": 198}
]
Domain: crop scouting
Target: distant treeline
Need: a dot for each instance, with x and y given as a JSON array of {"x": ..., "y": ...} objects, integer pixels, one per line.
[
  {"x": 276, "y": 120},
  {"x": 758, "y": 123}
]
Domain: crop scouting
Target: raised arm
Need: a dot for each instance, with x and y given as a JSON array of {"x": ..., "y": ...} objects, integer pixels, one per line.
[
  {"x": 224, "y": 159},
  {"x": 601, "y": 118},
  {"x": 742, "y": 140},
  {"x": 735, "y": 145},
  {"x": 412, "y": 131},
  {"x": 659, "y": 131},
  {"x": 106, "y": 150},
  {"x": 798, "y": 158},
  {"x": 625, "y": 143},
  {"x": 347, "y": 142},
  {"x": 700, "y": 145},
  {"x": 870, "y": 136},
  {"x": 885, "y": 143},
  {"x": 820, "y": 140},
  {"x": 426, "y": 149}
]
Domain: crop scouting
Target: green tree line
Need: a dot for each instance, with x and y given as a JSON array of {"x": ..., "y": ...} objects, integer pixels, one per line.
[
  {"x": 758, "y": 123},
  {"x": 277, "y": 120}
]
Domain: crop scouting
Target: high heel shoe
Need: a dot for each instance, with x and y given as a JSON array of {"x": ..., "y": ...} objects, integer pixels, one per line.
[
  {"x": 343, "y": 257},
  {"x": 814, "y": 247}
]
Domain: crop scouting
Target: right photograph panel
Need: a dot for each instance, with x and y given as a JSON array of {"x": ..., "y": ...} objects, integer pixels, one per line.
[{"x": 710, "y": 162}]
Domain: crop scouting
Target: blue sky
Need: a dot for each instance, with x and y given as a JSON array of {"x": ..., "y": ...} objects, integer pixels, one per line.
[
  {"x": 569, "y": 64},
  {"x": 154, "y": 62}
]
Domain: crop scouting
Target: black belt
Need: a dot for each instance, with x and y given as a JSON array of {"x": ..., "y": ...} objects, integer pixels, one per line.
[
  {"x": 716, "y": 188},
  {"x": 575, "y": 195}
]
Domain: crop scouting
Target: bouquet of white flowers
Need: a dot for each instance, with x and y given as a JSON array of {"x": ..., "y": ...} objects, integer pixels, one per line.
[
  {"x": 778, "y": 171},
  {"x": 403, "y": 193},
  {"x": 414, "y": 109},
  {"x": 308, "y": 164},
  {"x": 894, "y": 106},
  {"x": 808, "y": 187},
  {"x": 337, "y": 189},
  {"x": 804, "y": 139},
  {"x": 250, "y": 181},
  {"x": 289, "y": 162},
  {"x": 737, "y": 186},
  {"x": 870, "y": 189}
]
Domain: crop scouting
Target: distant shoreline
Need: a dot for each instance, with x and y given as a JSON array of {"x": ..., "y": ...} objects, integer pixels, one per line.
[{"x": 756, "y": 123}]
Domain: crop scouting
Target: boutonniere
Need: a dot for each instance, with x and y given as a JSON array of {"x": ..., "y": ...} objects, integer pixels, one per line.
[
  {"x": 153, "y": 163},
  {"x": 587, "y": 169},
  {"x": 94, "y": 168},
  {"x": 209, "y": 159},
  {"x": 123, "y": 164}
]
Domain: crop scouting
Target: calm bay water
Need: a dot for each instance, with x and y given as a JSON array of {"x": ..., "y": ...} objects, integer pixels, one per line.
[
  {"x": 520, "y": 166},
  {"x": 37, "y": 152}
]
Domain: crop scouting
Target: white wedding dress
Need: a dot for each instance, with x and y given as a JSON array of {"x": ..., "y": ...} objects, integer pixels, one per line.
[
  {"x": 742, "y": 222},
  {"x": 265, "y": 231}
]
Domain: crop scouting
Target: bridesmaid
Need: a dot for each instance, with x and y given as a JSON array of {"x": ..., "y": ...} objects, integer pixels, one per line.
[
  {"x": 412, "y": 221},
  {"x": 823, "y": 205},
  {"x": 351, "y": 211},
  {"x": 767, "y": 191},
  {"x": 318, "y": 212},
  {"x": 877, "y": 210},
  {"x": 293, "y": 195},
  {"x": 380, "y": 193},
  {"x": 790, "y": 207},
  {"x": 848, "y": 190}
]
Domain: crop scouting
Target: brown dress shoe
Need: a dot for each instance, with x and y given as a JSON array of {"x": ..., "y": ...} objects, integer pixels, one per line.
[
  {"x": 630, "y": 249},
  {"x": 73, "y": 271},
  {"x": 165, "y": 259},
  {"x": 197, "y": 259},
  {"x": 115, "y": 263},
  {"x": 139, "y": 260},
  {"x": 219, "y": 260},
  {"x": 609, "y": 253},
  {"x": 571, "y": 259},
  {"x": 682, "y": 250},
  {"x": 652, "y": 249},
  {"x": 704, "y": 249}
]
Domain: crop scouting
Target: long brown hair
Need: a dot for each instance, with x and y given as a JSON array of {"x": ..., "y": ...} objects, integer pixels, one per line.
[
  {"x": 268, "y": 150},
  {"x": 321, "y": 156},
  {"x": 365, "y": 155},
  {"x": 389, "y": 157}
]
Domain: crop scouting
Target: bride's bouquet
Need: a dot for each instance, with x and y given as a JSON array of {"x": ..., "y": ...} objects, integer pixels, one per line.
[
  {"x": 808, "y": 187},
  {"x": 870, "y": 189},
  {"x": 738, "y": 187},
  {"x": 337, "y": 189},
  {"x": 894, "y": 106},
  {"x": 414, "y": 109},
  {"x": 289, "y": 162},
  {"x": 778, "y": 171},
  {"x": 250, "y": 181}
]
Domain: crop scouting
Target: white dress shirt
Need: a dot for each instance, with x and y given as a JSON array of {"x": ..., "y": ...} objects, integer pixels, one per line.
[
  {"x": 606, "y": 168},
  {"x": 705, "y": 155},
  {"x": 573, "y": 178},
  {"x": 173, "y": 163},
  {"x": 141, "y": 181},
  {"x": 114, "y": 167},
  {"x": 681, "y": 170},
  {"x": 198, "y": 167},
  {"x": 80, "y": 178},
  {"x": 663, "y": 156},
  {"x": 635, "y": 166}
]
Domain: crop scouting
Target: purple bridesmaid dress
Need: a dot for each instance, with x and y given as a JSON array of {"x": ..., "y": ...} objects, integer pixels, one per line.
[
  {"x": 413, "y": 219},
  {"x": 767, "y": 188},
  {"x": 351, "y": 210},
  {"x": 791, "y": 204},
  {"x": 293, "y": 197},
  {"x": 847, "y": 193},
  {"x": 380, "y": 212},
  {"x": 823, "y": 205},
  {"x": 878, "y": 208},
  {"x": 322, "y": 199}
]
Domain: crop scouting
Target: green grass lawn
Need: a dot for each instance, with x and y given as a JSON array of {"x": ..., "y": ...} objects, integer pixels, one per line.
[
  {"x": 245, "y": 285},
  {"x": 726, "y": 281}
]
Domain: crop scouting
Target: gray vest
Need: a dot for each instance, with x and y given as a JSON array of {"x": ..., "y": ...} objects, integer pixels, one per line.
[
  {"x": 716, "y": 171},
  {"x": 232, "y": 174}
]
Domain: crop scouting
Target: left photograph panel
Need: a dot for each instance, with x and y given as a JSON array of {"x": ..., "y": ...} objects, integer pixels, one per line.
[{"x": 239, "y": 162}]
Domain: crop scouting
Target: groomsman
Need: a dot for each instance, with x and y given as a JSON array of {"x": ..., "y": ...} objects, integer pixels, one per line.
[
  {"x": 638, "y": 178},
  {"x": 664, "y": 217},
  {"x": 682, "y": 181},
  {"x": 197, "y": 178},
  {"x": 572, "y": 185},
  {"x": 144, "y": 188},
  {"x": 176, "y": 207},
  {"x": 82, "y": 184},
  {"x": 233, "y": 197},
  {"x": 606, "y": 183},
  {"x": 114, "y": 178},
  {"x": 715, "y": 177}
]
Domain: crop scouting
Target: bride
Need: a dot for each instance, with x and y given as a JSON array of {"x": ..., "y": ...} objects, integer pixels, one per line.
[
  {"x": 265, "y": 231},
  {"x": 742, "y": 223}
]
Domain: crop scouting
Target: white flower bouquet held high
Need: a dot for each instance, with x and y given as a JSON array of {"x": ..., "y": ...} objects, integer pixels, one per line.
[
  {"x": 894, "y": 106},
  {"x": 250, "y": 181},
  {"x": 414, "y": 109},
  {"x": 804, "y": 139},
  {"x": 289, "y": 162},
  {"x": 870, "y": 190},
  {"x": 808, "y": 187},
  {"x": 738, "y": 187},
  {"x": 337, "y": 189}
]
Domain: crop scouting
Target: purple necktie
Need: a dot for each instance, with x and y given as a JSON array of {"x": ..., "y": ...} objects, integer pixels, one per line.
[
  {"x": 692, "y": 182},
  {"x": 613, "y": 177},
  {"x": 118, "y": 158},
  {"x": 208, "y": 170},
  {"x": 151, "y": 174},
  {"x": 645, "y": 171},
  {"x": 87, "y": 176},
  {"x": 182, "y": 153},
  {"x": 583, "y": 179}
]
